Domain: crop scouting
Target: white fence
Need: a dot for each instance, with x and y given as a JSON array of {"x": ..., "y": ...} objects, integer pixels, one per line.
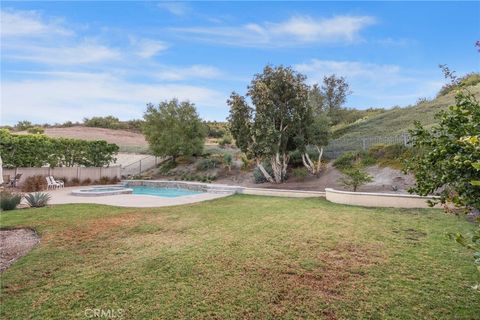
[
  {"x": 81, "y": 173},
  {"x": 337, "y": 147}
]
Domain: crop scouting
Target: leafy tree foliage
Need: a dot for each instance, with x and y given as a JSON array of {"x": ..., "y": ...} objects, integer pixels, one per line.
[
  {"x": 335, "y": 91},
  {"x": 450, "y": 152},
  {"x": 355, "y": 177},
  {"x": 23, "y": 125},
  {"x": 267, "y": 132},
  {"x": 111, "y": 122},
  {"x": 38, "y": 150},
  {"x": 174, "y": 129}
]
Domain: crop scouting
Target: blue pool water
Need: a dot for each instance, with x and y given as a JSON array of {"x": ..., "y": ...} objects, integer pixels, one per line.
[{"x": 164, "y": 192}]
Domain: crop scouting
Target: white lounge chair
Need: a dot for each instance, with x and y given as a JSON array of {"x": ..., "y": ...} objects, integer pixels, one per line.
[
  {"x": 50, "y": 184},
  {"x": 58, "y": 182}
]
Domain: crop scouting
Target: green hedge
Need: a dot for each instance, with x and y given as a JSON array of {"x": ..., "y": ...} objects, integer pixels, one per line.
[{"x": 36, "y": 150}]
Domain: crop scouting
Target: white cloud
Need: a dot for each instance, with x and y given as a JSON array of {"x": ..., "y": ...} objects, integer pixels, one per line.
[
  {"x": 296, "y": 30},
  {"x": 85, "y": 52},
  {"x": 375, "y": 84},
  {"x": 176, "y": 8},
  {"x": 182, "y": 73},
  {"x": 29, "y": 23},
  {"x": 61, "y": 96},
  {"x": 147, "y": 48}
]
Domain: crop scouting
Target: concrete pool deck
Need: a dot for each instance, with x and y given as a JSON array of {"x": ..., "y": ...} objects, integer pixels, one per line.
[{"x": 64, "y": 196}]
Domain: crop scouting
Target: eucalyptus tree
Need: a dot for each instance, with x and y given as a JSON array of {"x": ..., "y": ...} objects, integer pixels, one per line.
[{"x": 271, "y": 128}]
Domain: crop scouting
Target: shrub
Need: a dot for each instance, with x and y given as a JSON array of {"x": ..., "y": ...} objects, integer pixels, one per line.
[
  {"x": 296, "y": 156},
  {"x": 389, "y": 155},
  {"x": 34, "y": 183},
  {"x": 258, "y": 176},
  {"x": 37, "y": 199},
  {"x": 86, "y": 182},
  {"x": 166, "y": 167},
  {"x": 206, "y": 164},
  {"x": 355, "y": 177},
  {"x": 300, "y": 173},
  {"x": 245, "y": 161},
  {"x": 228, "y": 161},
  {"x": 351, "y": 159},
  {"x": 104, "y": 180},
  {"x": 225, "y": 140},
  {"x": 75, "y": 182},
  {"x": 16, "y": 151},
  {"x": 36, "y": 130},
  {"x": 9, "y": 200}
]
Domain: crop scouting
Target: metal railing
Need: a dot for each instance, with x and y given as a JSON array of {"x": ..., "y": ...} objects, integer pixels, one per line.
[{"x": 140, "y": 166}]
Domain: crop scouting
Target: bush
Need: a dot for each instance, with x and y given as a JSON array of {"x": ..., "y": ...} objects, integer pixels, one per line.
[
  {"x": 246, "y": 163},
  {"x": 75, "y": 182},
  {"x": 104, "y": 180},
  {"x": 34, "y": 183},
  {"x": 300, "y": 173},
  {"x": 350, "y": 159},
  {"x": 206, "y": 164},
  {"x": 166, "y": 167},
  {"x": 225, "y": 140},
  {"x": 35, "y": 130},
  {"x": 86, "y": 182},
  {"x": 37, "y": 199},
  {"x": 258, "y": 176},
  {"x": 296, "y": 156},
  {"x": 355, "y": 177},
  {"x": 16, "y": 151},
  {"x": 9, "y": 200},
  {"x": 108, "y": 122},
  {"x": 389, "y": 155},
  {"x": 228, "y": 161}
]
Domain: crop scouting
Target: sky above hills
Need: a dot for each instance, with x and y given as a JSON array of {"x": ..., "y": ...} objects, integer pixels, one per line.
[{"x": 69, "y": 60}]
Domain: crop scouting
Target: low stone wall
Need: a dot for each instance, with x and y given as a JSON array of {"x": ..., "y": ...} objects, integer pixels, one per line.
[
  {"x": 367, "y": 199},
  {"x": 189, "y": 185},
  {"x": 223, "y": 188}
]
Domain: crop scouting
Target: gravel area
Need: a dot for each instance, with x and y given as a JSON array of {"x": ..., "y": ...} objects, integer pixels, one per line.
[{"x": 14, "y": 244}]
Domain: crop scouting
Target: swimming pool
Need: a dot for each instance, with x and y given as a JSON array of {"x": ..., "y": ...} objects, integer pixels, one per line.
[
  {"x": 140, "y": 190},
  {"x": 163, "y": 192}
]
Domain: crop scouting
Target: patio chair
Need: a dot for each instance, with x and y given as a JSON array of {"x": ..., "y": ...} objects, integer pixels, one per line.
[
  {"x": 52, "y": 184},
  {"x": 13, "y": 181},
  {"x": 60, "y": 183}
]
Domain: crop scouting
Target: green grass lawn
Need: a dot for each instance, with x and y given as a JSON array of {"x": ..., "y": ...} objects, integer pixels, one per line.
[{"x": 241, "y": 257}]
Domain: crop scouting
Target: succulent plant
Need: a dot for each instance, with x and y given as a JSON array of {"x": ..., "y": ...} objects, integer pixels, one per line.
[{"x": 37, "y": 199}]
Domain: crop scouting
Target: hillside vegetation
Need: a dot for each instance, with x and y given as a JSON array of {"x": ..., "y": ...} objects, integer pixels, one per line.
[{"x": 399, "y": 120}]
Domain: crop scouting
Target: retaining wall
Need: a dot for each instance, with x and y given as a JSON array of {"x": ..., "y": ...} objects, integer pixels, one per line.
[{"x": 368, "y": 199}]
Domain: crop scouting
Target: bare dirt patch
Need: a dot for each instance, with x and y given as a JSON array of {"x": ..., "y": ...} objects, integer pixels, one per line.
[
  {"x": 15, "y": 243},
  {"x": 120, "y": 137},
  {"x": 336, "y": 273}
]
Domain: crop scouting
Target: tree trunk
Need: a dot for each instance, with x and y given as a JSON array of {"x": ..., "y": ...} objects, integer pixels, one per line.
[
  {"x": 264, "y": 172},
  {"x": 313, "y": 168}
]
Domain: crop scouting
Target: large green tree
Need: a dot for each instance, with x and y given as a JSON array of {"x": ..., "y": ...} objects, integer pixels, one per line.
[
  {"x": 448, "y": 154},
  {"x": 265, "y": 132},
  {"x": 335, "y": 91},
  {"x": 174, "y": 129}
]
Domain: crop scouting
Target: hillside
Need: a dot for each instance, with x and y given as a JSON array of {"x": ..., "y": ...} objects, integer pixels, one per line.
[
  {"x": 127, "y": 141},
  {"x": 398, "y": 120}
]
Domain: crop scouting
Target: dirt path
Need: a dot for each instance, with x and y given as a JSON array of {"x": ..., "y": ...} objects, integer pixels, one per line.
[
  {"x": 385, "y": 180},
  {"x": 14, "y": 244}
]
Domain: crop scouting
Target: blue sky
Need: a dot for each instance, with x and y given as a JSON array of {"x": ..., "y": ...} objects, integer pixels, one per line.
[{"x": 69, "y": 60}]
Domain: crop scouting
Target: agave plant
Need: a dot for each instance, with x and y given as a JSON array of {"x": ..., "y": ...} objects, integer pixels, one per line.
[{"x": 37, "y": 199}]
